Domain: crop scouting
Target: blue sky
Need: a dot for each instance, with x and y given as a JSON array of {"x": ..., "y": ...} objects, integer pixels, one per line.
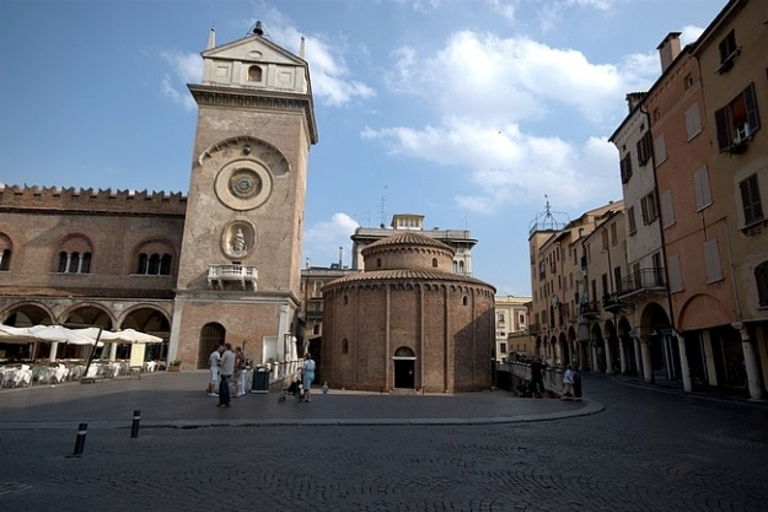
[{"x": 465, "y": 111}]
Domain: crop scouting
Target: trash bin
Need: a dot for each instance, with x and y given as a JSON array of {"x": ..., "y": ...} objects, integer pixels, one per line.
[{"x": 260, "y": 382}]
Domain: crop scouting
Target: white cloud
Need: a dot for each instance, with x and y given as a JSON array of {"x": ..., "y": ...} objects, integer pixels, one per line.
[
  {"x": 504, "y": 8},
  {"x": 551, "y": 12},
  {"x": 514, "y": 79},
  {"x": 185, "y": 68},
  {"x": 329, "y": 72},
  {"x": 484, "y": 118},
  {"x": 323, "y": 239},
  {"x": 690, "y": 34},
  {"x": 507, "y": 166}
]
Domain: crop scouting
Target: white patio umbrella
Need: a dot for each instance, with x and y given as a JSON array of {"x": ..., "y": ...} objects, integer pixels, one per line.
[
  {"x": 121, "y": 336},
  {"x": 50, "y": 333},
  {"x": 47, "y": 333}
]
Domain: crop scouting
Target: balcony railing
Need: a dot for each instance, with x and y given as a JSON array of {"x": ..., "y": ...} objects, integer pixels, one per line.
[
  {"x": 218, "y": 275},
  {"x": 644, "y": 280},
  {"x": 589, "y": 309},
  {"x": 612, "y": 303}
]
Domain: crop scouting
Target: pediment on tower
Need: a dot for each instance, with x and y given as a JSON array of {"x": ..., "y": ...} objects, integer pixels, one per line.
[{"x": 255, "y": 63}]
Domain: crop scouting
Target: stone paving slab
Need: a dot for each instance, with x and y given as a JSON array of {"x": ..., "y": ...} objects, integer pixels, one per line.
[{"x": 176, "y": 400}]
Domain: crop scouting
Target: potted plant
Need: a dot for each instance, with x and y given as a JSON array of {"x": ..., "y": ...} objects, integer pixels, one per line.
[{"x": 175, "y": 366}]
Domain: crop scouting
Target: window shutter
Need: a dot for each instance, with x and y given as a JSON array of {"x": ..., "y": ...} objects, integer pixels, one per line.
[
  {"x": 723, "y": 133},
  {"x": 675, "y": 276},
  {"x": 667, "y": 209},
  {"x": 701, "y": 188},
  {"x": 752, "y": 115},
  {"x": 750, "y": 200},
  {"x": 693, "y": 121},
  {"x": 712, "y": 261},
  {"x": 660, "y": 147}
]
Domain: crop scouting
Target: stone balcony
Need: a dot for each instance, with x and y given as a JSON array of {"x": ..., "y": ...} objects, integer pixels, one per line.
[{"x": 220, "y": 275}]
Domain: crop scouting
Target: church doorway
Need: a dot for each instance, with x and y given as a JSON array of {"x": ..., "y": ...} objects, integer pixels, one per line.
[{"x": 405, "y": 366}]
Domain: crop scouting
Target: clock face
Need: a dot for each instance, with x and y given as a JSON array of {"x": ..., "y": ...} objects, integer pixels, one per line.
[{"x": 243, "y": 185}]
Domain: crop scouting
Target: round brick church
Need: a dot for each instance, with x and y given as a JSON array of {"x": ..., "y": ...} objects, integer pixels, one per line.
[{"x": 407, "y": 322}]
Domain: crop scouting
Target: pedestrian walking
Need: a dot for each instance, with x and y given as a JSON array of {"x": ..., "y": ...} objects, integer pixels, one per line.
[
  {"x": 308, "y": 375},
  {"x": 568, "y": 381},
  {"x": 213, "y": 362},
  {"x": 537, "y": 377},
  {"x": 227, "y": 366},
  {"x": 240, "y": 372}
]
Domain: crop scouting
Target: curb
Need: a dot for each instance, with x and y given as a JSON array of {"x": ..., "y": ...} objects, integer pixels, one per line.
[{"x": 590, "y": 409}]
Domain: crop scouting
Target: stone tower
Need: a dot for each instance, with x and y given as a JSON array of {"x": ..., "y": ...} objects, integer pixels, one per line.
[{"x": 239, "y": 270}]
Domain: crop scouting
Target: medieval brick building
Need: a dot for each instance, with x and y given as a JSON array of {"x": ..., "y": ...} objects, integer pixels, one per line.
[
  {"x": 407, "y": 322},
  {"x": 222, "y": 264}
]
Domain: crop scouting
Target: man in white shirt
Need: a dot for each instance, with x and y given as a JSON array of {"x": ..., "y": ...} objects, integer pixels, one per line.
[
  {"x": 227, "y": 368},
  {"x": 213, "y": 361},
  {"x": 568, "y": 383}
]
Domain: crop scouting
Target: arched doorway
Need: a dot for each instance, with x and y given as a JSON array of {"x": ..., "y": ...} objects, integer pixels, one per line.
[
  {"x": 598, "y": 345},
  {"x": 665, "y": 352},
  {"x": 26, "y": 315},
  {"x": 612, "y": 340},
  {"x": 211, "y": 336},
  {"x": 85, "y": 315},
  {"x": 405, "y": 368},
  {"x": 150, "y": 321}
]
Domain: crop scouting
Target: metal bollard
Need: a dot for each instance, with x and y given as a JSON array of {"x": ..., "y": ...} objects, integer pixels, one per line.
[
  {"x": 82, "y": 430},
  {"x": 135, "y": 425}
]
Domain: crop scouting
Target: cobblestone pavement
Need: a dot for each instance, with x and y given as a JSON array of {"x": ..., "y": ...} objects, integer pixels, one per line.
[{"x": 646, "y": 451}]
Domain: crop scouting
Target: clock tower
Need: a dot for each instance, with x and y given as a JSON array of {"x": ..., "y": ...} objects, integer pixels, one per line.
[{"x": 240, "y": 264}]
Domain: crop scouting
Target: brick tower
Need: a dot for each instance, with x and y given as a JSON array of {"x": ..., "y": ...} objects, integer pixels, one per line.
[{"x": 239, "y": 270}]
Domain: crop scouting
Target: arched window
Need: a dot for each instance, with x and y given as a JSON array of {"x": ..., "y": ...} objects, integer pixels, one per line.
[
  {"x": 74, "y": 255},
  {"x": 165, "y": 265},
  {"x": 461, "y": 267},
  {"x": 434, "y": 262},
  {"x": 378, "y": 262},
  {"x": 345, "y": 346},
  {"x": 464, "y": 300},
  {"x": 154, "y": 265},
  {"x": 5, "y": 252},
  {"x": 142, "y": 269},
  {"x": 74, "y": 263},
  {"x": 5, "y": 259},
  {"x": 254, "y": 74},
  {"x": 346, "y": 300},
  {"x": 154, "y": 258}
]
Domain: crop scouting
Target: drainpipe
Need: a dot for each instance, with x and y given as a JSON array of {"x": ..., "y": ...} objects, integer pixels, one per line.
[{"x": 685, "y": 370}]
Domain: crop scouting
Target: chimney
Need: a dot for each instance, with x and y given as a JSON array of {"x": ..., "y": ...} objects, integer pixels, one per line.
[
  {"x": 634, "y": 99},
  {"x": 669, "y": 49}
]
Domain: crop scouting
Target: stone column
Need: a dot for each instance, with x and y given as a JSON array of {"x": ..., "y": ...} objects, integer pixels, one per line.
[
  {"x": 750, "y": 362},
  {"x": 645, "y": 349},
  {"x": 54, "y": 348},
  {"x": 761, "y": 338},
  {"x": 112, "y": 352},
  {"x": 595, "y": 365},
  {"x": 684, "y": 368},
  {"x": 622, "y": 356},
  {"x": 706, "y": 338},
  {"x": 638, "y": 356},
  {"x": 608, "y": 356}
]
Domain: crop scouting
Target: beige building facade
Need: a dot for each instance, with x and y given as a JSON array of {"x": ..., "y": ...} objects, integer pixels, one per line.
[{"x": 512, "y": 322}]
